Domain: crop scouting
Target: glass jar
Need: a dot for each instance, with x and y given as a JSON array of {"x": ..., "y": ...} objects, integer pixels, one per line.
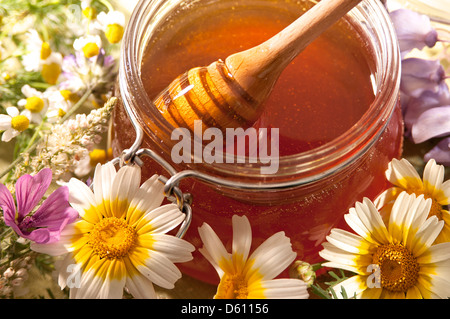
[{"x": 312, "y": 190}]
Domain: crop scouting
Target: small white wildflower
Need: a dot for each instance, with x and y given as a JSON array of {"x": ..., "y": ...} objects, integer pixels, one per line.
[
  {"x": 35, "y": 104},
  {"x": 41, "y": 58},
  {"x": 13, "y": 123},
  {"x": 113, "y": 24},
  {"x": 90, "y": 45}
]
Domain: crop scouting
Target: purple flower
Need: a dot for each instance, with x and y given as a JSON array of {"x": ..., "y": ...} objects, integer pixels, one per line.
[
  {"x": 432, "y": 123},
  {"x": 414, "y": 107},
  {"x": 44, "y": 225},
  {"x": 441, "y": 152},
  {"x": 419, "y": 75},
  {"x": 413, "y": 30}
]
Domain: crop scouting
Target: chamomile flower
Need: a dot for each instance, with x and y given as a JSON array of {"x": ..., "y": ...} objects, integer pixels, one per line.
[
  {"x": 88, "y": 11},
  {"x": 120, "y": 241},
  {"x": 13, "y": 123},
  {"x": 245, "y": 276},
  {"x": 113, "y": 24},
  {"x": 59, "y": 103},
  {"x": 90, "y": 45},
  {"x": 404, "y": 176},
  {"x": 41, "y": 58},
  {"x": 35, "y": 104},
  {"x": 397, "y": 260}
]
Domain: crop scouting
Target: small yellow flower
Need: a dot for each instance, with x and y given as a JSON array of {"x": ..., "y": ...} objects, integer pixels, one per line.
[
  {"x": 35, "y": 104},
  {"x": 404, "y": 177},
  {"x": 13, "y": 123},
  {"x": 50, "y": 72},
  {"x": 97, "y": 156},
  {"x": 114, "y": 33},
  {"x": 90, "y": 13},
  {"x": 113, "y": 24},
  {"x": 45, "y": 50},
  {"x": 90, "y": 45}
]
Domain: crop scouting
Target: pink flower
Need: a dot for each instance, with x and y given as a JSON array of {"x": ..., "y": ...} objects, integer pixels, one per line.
[{"x": 46, "y": 223}]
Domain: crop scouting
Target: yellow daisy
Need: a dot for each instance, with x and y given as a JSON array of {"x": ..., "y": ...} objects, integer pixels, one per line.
[
  {"x": 120, "y": 241},
  {"x": 251, "y": 277},
  {"x": 397, "y": 261},
  {"x": 404, "y": 177}
]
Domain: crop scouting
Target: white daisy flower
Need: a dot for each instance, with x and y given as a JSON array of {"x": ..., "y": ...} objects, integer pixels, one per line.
[
  {"x": 397, "y": 261},
  {"x": 245, "y": 276},
  {"x": 35, "y": 104},
  {"x": 404, "y": 177},
  {"x": 13, "y": 123},
  {"x": 120, "y": 240},
  {"x": 90, "y": 45},
  {"x": 113, "y": 24}
]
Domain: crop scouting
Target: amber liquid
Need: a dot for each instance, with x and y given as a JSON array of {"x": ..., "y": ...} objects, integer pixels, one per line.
[
  {"x": 322, "y": 94},
  {"x": 319, "y": 96}
]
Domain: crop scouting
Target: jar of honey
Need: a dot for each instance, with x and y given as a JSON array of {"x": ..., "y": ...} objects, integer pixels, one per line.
[{"x": 335, "y": 108}]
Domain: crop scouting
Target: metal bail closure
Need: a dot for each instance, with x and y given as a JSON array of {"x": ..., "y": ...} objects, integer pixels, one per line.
[{"x": 173, "y": 193}]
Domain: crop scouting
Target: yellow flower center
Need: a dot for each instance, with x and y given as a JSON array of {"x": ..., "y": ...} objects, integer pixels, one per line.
[
  {"x": 436, "y": 210},
  {"x": 20, "y": 123},
  {"x": 45, "y": 50},
  {"x": 61, "y": 112},
  {"x": 50, "y": 72},
  {"x": 112, "y": 238},
  {"x": 34, "y": 104},
  {"x": 97, "y": 156},
  {"x": 69, "y": 96},
  {"x": 114, "y": 32},
  {"x": 232, "y": 287},
  {"x": 399, "y": 269},
  {"x": 90, "y": 13},
  {"x": 91, "y": 49}
]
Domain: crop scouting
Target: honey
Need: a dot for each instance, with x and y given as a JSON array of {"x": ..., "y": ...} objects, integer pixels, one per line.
[
  {"x": 336, "y": 108},
  {"x": 319, "y": 96}
]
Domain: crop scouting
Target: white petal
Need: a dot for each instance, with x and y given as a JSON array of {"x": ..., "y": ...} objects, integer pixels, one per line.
[
  {"x": 242, "y": 236},
  {"x": 160, "y": 270},
  {"x": 280, "y": 289},
  {"x": 348, "y": 241},
  {"x": 215, "y": 248},
  {"x": 272, "y": 257},
  {"x": 436, "y": 253},
  {"x": 160, "y": 220},
  {"x": 124, "y": 186},
  {"x": 149, "y": 196},
  {"x": 403, "y": 174},
  {"x": 433, "y": 176},
  {"x": 352, "y": 286},
  {"x": 9, "y": 134},
  {"x": 426, "y": 235},
  {"x": 140, "y": 287},
  {"x": 82, "y": 199},
  {"x": 5, "y": 122},
  {"x": 12, "y": 111},
  {"x": 174, "y": 248}
]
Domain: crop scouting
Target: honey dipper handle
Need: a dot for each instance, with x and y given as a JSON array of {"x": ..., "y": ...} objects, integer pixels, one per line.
[{"x": 257, "y": 69}]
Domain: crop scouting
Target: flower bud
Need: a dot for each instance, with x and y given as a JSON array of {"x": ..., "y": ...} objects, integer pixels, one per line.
[{"x": 304, "y": 271}]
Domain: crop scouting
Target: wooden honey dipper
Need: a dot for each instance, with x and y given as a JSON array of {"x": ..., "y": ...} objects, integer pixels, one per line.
[{"x": 229, "y": 94}]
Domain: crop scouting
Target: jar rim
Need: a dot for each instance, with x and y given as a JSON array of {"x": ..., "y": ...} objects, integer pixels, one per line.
[{"x": 306, "y": 166}]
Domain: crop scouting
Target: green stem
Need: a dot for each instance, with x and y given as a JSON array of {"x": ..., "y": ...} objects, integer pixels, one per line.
[{"x": 34, "y": 142}]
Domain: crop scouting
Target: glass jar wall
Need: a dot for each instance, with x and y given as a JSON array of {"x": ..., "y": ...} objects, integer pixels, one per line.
[{"x": 312, "y": 189}]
